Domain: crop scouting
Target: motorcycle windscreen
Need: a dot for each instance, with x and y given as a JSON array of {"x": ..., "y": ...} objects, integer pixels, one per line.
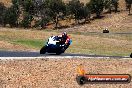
[{"x": 51, "y": 41}]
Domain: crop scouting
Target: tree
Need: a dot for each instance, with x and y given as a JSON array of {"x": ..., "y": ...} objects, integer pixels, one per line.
[
  {"x": 28, "y": 12},
  {"x": 97, "y": 7},
  {"x": 108, "y": 5},
  {"x": 115, "y": 4},
  {"x": 57, "y": 8},
  {"x": 84, "y": 13},
  {"x": 43, "y": 13},
  {"x": 2, "y": 11},
  {"x": 111, "y": 5},
  {"x": 38, "y": 5},
  {"x": 27, "y": 19},
  {"x": 128, "y": 5},
  {"x": 12, "y": 14},
  {"x": 44, "y": 18},
  {"x": 27, "y": 6},
  {"x": 76, "y": 9}
]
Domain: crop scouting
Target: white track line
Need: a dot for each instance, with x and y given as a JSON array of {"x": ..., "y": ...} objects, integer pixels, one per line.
[{"x": 58, "y": 57}]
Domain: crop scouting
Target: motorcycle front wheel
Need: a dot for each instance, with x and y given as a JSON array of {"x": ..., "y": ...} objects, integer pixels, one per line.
[{"x": 43, "y": 50}]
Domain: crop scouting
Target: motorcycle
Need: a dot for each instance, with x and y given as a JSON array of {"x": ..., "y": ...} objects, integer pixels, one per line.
[{"x": 54, "y": 45}]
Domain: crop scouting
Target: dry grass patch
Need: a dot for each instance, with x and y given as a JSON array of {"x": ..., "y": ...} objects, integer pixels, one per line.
[
  {"x": 89, "y": 44},
  {"x": 115, "y": 22},
  {"x": 16, "y": 33},
  {"x": 98, "y": 45}
]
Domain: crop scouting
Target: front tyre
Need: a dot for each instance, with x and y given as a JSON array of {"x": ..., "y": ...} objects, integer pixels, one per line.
[
  {"x": 131, "y": 55},
  {"x": 43, "y": 50},
  {"x": 61, "y": 50},
  {"x": 58, "y": 53}
]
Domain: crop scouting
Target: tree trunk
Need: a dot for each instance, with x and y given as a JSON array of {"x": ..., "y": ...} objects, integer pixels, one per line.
[
  {"x": 130, "y": 9},
  {"x": 110, "y": 10},
  {"x": 87, "y": 19},
  {"x": 116, "y": 7},
  {"x": 56, "y": 22},
  {"x": 76, "y": 21},
  {"x": 98, "y": 14}
]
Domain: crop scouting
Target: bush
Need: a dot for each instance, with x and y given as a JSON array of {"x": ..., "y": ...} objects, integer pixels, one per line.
[
  {"x": 76, "y": 8},
  {"x": 28, "y": 6},
  {"x": 42, "y": 22},
  {"x": 43, "y": 14},
  {"x": 26, "y": 22},
  {"x": 97, "y": 7},
  {"x": 57, "y": 8},
  {"x": 11, "y": 16},
  {"x": 111, "y": 5},
  {"x": 2, "y": 11}
]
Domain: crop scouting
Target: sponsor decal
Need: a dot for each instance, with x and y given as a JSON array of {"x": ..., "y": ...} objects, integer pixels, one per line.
[{"x": 83, "y": 78}]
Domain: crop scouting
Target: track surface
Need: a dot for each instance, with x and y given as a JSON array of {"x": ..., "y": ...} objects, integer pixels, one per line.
[{"x": 36, "y": 54}]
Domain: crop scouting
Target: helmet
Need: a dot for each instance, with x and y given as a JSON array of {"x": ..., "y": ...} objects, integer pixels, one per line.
[{"x": 64, "y": 34}]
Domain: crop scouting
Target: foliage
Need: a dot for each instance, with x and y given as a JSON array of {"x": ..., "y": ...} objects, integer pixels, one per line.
[
  {"x": 57, "y": 8},
  {"x": 97, "y": 6},
  {"x": 28, "y": 10},
  {"x": 111, "y": 5},
  {"x": 11, "y": 15},
  {"x": 44, "y": 15},
  {"x": 115, "y": 4},
  {"x": 78, "y": 10},
  {"x": 24, "y": 12},
  {"x": 2, "y": 11},
  {"x": 128, "y": 5},
  {"x": 26, "y": 22},
  {"x": 28, "y": 6}
]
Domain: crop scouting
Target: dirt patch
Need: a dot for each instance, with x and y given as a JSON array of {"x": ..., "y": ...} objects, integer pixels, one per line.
[{"x": 59, "y": 73}]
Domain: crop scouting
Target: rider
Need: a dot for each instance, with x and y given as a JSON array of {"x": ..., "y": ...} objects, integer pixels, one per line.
[{"x": 65, "y": 39}]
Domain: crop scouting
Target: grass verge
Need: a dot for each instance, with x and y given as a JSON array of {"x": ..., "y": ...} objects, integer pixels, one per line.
[
  {"x": 83, "y": 43},
  {"x": 31, "y": 43}
]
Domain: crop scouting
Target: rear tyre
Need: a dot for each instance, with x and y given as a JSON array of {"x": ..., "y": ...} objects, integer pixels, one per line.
[
  {"x": 43, "y": 50},
  {"x": 63, "y": 49}
]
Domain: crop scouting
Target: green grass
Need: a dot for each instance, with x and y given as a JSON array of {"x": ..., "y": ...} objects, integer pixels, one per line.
[{"x": 31, "y": 43}]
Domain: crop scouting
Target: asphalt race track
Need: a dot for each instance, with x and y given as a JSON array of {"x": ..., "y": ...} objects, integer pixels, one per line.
[{"x": 36, "y": 54}]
